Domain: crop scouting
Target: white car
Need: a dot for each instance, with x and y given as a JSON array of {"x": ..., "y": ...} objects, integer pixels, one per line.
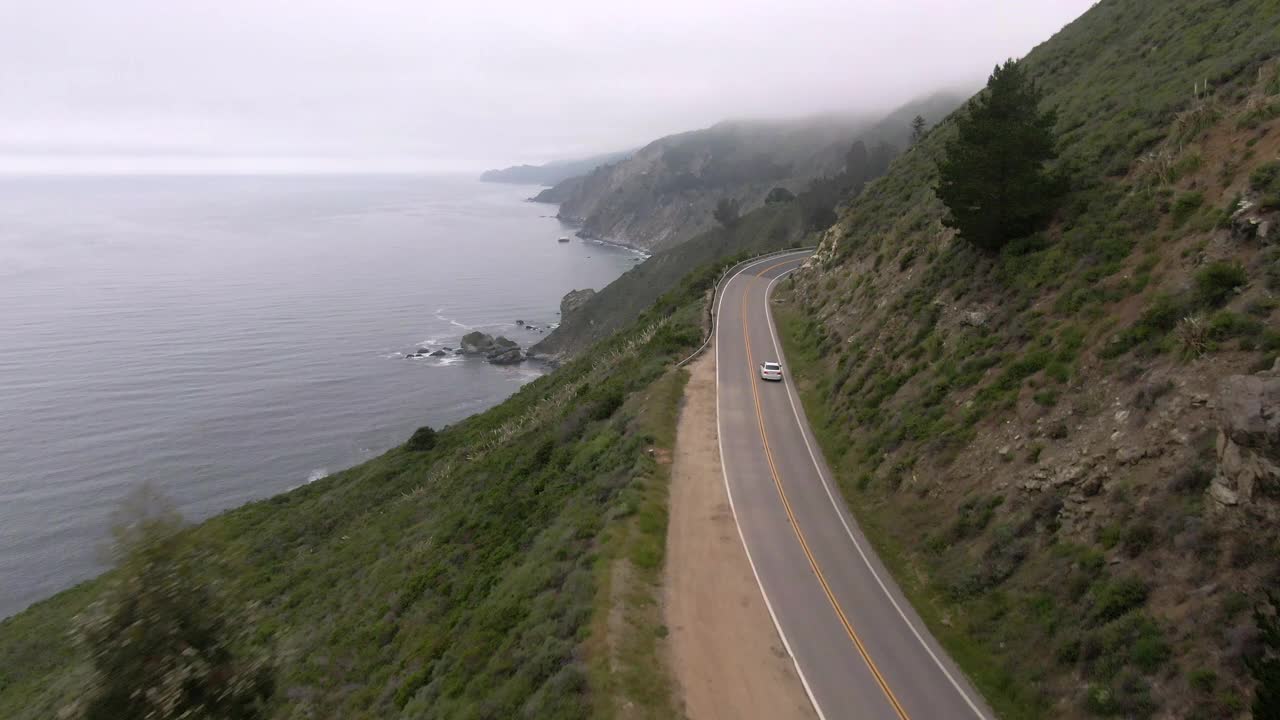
[{"x": 770, "y": 371}]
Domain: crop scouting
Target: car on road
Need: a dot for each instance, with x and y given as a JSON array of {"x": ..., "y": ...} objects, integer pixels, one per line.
[{"x": 770, "y": 371}]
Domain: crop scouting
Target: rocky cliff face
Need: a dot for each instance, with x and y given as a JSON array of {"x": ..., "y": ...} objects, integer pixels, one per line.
[
  {"x": 573, "y": 301},
  {"x": 665, "y": 193}
]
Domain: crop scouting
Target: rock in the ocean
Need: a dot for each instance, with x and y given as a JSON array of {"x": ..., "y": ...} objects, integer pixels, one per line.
[
  {"x": 505, "y": 357},
  {"x": 504, "y": 351},
  {"x": 476, "y": 343},
  {"x": 438, "y": 353},
  {"x": 519, "y": 322}
]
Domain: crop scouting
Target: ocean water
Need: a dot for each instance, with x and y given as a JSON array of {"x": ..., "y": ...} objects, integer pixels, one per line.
[{"x": 229, "y": 338}]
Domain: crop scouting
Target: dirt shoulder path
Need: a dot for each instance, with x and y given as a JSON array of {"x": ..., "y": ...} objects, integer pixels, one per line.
[{"x": 726, "y": 655}]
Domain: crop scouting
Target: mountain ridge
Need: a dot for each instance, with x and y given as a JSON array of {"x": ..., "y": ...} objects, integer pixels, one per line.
[
  {"x": 551, "y": 173},
  {"x": 666, "y": 192}
]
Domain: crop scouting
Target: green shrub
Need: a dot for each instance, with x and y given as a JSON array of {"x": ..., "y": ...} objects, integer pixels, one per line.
[
  {"x": 1272, "y": 268},
  {"x": 1265, "y": 180},
  {"x": 1261, "y": 307},
  {"x": 1202, "y": 680},
  {"x": 1160, "y": 317},
  {"x": 1047, "y": 397},
  {"x": 1149, "y": 651},
  {"x": 1138, "y": 537},
  {"x": 1129, "y": 696},
  {"x": 422, "y": 440},
  {"x": 974, "y": 516},
  {"x": 1218, "y": 281},
  {"x": 1185, "y": 206},
  {"x": 1227, "y": 325},
  {"x": 1114, "y": 598}
]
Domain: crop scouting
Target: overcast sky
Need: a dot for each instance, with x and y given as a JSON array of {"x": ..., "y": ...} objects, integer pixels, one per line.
[{"x": 280, "y": 85}]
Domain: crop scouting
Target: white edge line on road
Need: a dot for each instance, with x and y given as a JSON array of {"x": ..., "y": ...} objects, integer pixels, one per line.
[
  {"x": 729, "y": 491},
  {"x": 827, "y": 486}
]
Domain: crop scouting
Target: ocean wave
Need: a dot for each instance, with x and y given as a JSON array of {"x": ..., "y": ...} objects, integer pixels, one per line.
[
  {"x": 439, "y": 314},
  {"x": 317, "y": 474}
]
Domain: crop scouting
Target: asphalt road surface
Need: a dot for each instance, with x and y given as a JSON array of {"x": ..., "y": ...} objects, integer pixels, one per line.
[{"x": 860, "y": 649}]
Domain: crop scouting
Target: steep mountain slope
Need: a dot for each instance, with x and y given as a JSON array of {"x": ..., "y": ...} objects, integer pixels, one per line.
[
  {"x": 775, "y": 225},
  {"x": 664, "y": 194},
  {"x": 550, "y": 173},
  {"x": 510, "y": 571},
  {"x": 1068, "y": 453}
]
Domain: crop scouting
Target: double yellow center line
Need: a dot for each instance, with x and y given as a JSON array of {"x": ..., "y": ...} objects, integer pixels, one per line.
[{"x": 791, "y": 516}]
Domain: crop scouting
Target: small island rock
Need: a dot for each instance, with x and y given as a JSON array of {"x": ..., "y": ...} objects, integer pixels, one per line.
[{"x": 476, "y": 343}]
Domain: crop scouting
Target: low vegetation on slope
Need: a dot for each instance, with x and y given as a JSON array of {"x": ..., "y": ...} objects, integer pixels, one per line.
[
  {"x": 773, "y": 227},
  {"x": 503, "y": 567},
  {"x": 1067, "y": 449}
]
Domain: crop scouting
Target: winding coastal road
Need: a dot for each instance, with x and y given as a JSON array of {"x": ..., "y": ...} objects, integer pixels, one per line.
[{"x": 860, "y": 650}]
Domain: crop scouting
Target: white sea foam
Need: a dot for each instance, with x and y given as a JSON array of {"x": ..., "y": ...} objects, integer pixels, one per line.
[
  {"x": 317, "y": 474},
  {"x": 442, "y": 318}
]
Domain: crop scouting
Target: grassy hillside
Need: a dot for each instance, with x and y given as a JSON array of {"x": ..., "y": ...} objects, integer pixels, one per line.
[
  {"x": 1047, "y": 445},
  {"x": 508, "y": 572}
]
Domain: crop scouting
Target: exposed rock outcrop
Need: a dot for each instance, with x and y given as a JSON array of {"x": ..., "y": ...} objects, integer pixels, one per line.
[
  {"x": 573, "y": 300},
  {"x": 1248, "y": 438},
  {"x": 1251, "y": 221}
]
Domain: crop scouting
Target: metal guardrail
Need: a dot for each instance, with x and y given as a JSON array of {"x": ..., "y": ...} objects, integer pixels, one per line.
[{"x": 715, "y": 292}]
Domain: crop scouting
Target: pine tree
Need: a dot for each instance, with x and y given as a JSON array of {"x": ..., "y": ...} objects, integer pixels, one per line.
[
  {"x": 994, "y": 180},
  {"x": 918, "y": 127}
]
